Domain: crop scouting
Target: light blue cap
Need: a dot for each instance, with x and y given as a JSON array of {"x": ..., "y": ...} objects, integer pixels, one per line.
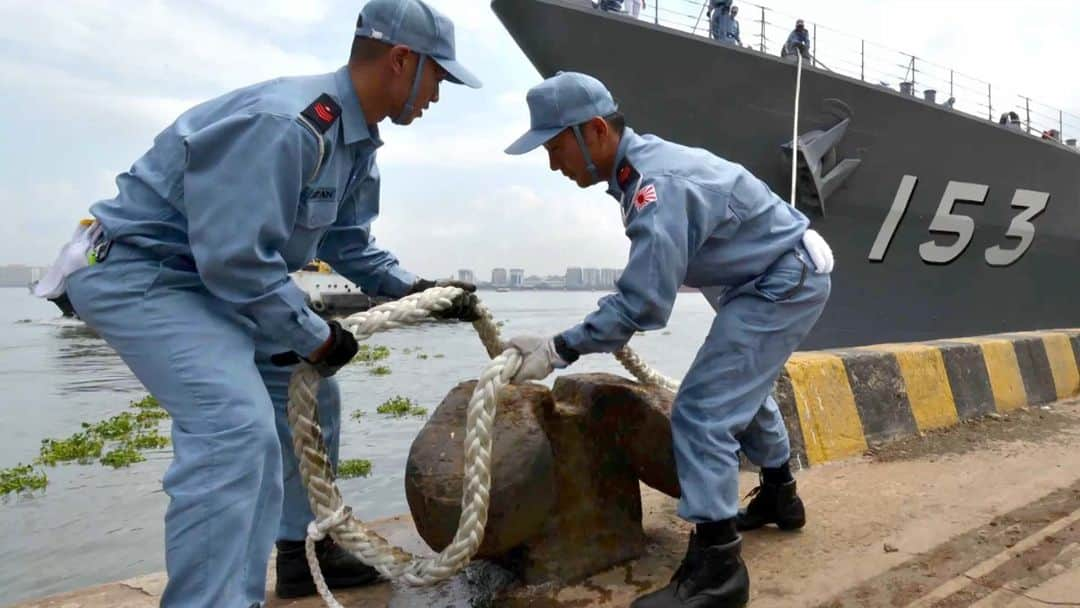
[
  {"x": 418, "y": 26},
  {"x": 564, "y": 100}
]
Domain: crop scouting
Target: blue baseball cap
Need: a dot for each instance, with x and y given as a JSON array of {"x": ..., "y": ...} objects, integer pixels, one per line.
[
  {"x": 564, "y": 100},
  {"x": 418, "y": 26}
]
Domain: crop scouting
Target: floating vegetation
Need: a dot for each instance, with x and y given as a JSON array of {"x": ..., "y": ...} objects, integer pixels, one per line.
[
  {"x": 148, "y": 441},
  {"x": 122, "y": 438},
  {"x": 148, "y": 402},
  {"x": 348, "y": 469},
  {"x": 421, "y": 356},
  {"x": 398, "y": 407},
  {"x": 123, "y": 456},
  {"x": 380, "y": 370},
  {"x": 666, "y": 333},
  {"x": 357, "y": 415},
  {"x": 80, "y": 447},
  {"x": 20, "y": 479},
  {"x": 368, "y": 354},
  {"x": 439, "y": 356}
]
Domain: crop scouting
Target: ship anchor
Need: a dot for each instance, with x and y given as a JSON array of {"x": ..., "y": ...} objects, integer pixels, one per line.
[{"x": 821, "y": 171}]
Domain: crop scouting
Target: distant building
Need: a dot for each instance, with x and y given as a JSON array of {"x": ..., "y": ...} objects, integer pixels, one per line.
[
  {"x": 608, "y": 276},
  {"x": 466, "y": 275},
  {"x": 574, "y": 278},
  {"x": 517, "y": 277},
  {"x": 591, "y": 276},
  {"x": 499, "y": 277}
]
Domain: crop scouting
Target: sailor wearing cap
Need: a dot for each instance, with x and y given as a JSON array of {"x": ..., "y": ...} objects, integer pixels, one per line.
[
  {"x": 693, "y": 219},
  {"x": 798, "y": 42},
  {"x": 195, "y": 295}
]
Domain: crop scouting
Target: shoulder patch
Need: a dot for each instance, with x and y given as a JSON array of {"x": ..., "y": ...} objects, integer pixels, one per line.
[
  {"x": 322, "y": 112},
  {"x": 645, "y": 197}
]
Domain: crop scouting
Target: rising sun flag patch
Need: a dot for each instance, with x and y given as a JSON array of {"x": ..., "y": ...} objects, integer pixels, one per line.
[{"x": 645, "y": 197}]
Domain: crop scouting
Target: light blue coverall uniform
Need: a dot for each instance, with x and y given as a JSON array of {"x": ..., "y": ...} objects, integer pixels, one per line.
[
  {"x": 713, "y": 226},
  {"x": 194, "y": 295},
  {"x": 733, "y": 31},
  {"x": 720, "y": 20},
  {"x": 796, "y": 38}
]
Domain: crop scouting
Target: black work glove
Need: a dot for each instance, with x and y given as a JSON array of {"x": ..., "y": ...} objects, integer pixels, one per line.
[
  {"x": 422, "y": 284},
  {"x": 462, "y": 308},
  {"x": 342, "y": 349}
]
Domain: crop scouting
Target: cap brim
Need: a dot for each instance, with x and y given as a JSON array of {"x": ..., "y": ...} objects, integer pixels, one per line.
[
  {"x": 457, "y": 73},
  {"x": 532, "y": 140}
]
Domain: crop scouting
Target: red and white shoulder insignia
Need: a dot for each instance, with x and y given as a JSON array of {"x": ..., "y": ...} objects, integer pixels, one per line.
[{"x": 644, "y": 197}]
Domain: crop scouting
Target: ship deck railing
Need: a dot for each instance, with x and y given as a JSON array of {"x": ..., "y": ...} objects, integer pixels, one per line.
[{"x": 765, "y": 30}]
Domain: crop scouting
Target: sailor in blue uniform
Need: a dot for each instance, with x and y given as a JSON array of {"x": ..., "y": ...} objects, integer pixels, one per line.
[
  {"x": 798, "y": 42},
  {"x": 191, "y": 288},
  {"x": 733, "y": 28},
  {"x": 693, "y": 219},
  {"x": 719, "y": 15}
]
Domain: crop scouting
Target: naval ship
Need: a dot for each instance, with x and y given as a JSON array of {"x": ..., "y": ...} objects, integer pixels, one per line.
[{"x": 944, "y": 222}]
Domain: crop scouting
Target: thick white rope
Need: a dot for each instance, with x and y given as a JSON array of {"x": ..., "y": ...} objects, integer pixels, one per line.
[
  {"x": 333, "y": 517},
  {"x": 795, "y": 126}
]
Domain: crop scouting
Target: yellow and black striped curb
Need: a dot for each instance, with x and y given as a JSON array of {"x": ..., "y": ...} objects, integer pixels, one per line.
[{"x": 837, "y": 403}]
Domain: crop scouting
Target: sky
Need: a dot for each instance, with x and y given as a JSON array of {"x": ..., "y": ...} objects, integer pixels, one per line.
[{"x": 86, "y": 84}]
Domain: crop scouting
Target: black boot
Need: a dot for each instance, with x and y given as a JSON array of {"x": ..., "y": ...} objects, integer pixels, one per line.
[
  {"x": 340, "y": 568},
  {"x": 773, "y": 503},
  {"x": 709, "y": 577}
]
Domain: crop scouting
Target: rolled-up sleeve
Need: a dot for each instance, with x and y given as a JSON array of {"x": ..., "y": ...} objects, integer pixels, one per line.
[
  {"x": 350, "y": 247},
  {"x": 242, "y": 185}
]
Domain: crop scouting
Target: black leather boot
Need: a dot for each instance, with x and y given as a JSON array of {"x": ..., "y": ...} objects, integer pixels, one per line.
[
  {"x": 340, "y": 569},
  {"x": 709, "y": 577},
  {"x": 773, "y": 503}
]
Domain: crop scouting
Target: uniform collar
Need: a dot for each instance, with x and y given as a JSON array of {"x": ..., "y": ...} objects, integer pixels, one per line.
[
  {"x": 354, "y": 125},
  {"x": 615, "y": 184}
]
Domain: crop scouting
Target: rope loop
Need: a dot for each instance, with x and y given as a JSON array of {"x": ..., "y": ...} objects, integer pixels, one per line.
[{"x": 333, "y": 517}]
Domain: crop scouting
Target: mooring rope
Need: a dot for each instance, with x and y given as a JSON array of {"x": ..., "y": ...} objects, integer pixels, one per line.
[
  {"x": 333, "y": 517},
  {"x": 795, "y": 125}
]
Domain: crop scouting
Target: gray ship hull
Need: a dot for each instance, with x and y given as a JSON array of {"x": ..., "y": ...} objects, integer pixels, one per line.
[{"x": 1002, "y": 264}]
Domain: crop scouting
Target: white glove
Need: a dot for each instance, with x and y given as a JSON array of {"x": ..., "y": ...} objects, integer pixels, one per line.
[
  {"x": 539, "y": 358},
  {"x": 820, "y": 252}
]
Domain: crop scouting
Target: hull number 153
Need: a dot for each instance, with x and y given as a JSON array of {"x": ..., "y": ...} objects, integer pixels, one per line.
[{"x": 1030, "y": 203}]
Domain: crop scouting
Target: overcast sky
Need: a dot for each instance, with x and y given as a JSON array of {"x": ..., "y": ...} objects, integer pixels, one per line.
[{"x": 86, "y": 84}]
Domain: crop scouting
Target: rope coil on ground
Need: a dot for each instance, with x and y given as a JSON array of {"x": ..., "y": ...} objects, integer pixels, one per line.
[{"x": 333, "y": 517}]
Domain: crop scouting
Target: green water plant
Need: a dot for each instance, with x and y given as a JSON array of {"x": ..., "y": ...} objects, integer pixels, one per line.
[
  {"x": 368, "y": 354},
  {"x": 380, "y": 370},
  {"x": 80, "y": 447},
  {"x": 348, "y": 469},
  {"x": 398, "y": 407},
  {"x": 123, "y": 456},
  {"x": 21, "y": 479}
]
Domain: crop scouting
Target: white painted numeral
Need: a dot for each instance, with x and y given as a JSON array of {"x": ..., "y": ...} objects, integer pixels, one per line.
[
  {"x": 949, "y": 223},
  {"x": 1021, "y": 227},
  {"x": 892, "y": 220}
]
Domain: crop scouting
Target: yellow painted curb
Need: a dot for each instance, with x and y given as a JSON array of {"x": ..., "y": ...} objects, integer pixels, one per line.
[
  {"x": 829, "y": 420},
  {"x": 1062, "y": 364},
  {"x": 927, "y": 384}
]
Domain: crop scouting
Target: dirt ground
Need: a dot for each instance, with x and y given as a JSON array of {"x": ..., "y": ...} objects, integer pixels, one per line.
[{"x": 986, "y": 514}]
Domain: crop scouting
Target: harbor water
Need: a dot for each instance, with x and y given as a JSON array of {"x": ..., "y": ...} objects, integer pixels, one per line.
[{"x": 94, "y": 524}]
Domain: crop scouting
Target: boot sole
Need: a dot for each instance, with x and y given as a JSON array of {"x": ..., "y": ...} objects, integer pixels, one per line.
[{"x": 788, "y": 525}]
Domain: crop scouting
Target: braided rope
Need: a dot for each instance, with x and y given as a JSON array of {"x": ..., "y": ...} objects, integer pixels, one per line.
[{"x": 333, "y": 517}]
